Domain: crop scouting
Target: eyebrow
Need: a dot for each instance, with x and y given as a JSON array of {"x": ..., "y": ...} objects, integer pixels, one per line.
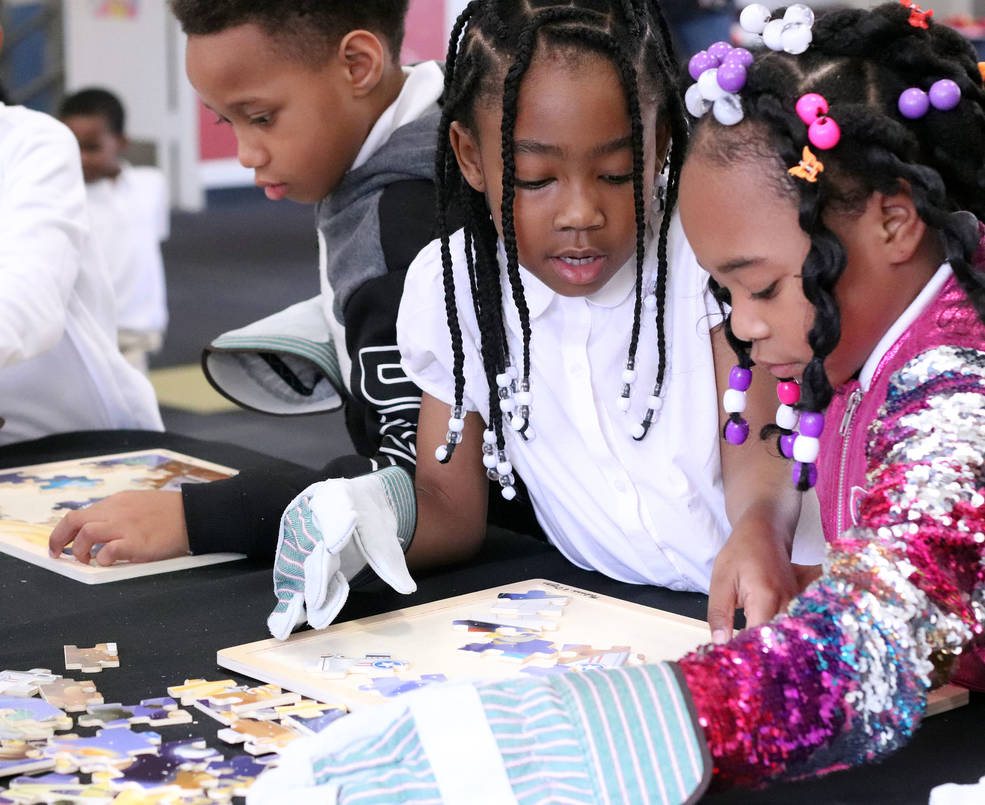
[
  {"x": 547, "y": 149},
  {"x": 736, "y": 263}
]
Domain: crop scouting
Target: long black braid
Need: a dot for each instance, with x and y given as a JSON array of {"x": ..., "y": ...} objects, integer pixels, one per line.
[
  {"x": 861, "y": 61},
  {"x": 490, "y": 50}
]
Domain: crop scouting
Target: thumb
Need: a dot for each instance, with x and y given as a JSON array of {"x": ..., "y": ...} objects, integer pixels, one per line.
[{"x": 721, "y": 611}]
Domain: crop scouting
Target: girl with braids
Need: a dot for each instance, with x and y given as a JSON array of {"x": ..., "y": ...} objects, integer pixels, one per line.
[
  {"x": 580, "y": 349},
  {"x": 852, "y": 256}
]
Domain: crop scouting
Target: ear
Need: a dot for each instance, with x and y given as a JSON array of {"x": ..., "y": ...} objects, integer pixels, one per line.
[
  {"x": 466, "y": 149},
  {"x": 364, "y": 58},
  {"x": 901, "y": 228}
]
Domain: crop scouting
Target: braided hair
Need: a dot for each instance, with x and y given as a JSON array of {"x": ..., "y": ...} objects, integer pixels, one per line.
[
  {"x": 491, "y": 48},
  {"x": 860, "y": 61}
]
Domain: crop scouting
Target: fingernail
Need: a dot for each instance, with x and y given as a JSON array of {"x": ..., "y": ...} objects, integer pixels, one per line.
[{"x": 719, "y": 636}]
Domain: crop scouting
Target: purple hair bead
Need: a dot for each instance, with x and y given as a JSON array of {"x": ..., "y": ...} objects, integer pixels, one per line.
[
  {"x": 701, "y": 61},
  {"x": 811, "y": 473},
  {"x": 731, "y": 76},
  {"x": 739, "y": 56},
  {"x": 719, "y": 50},
  {"x": 944, "y": 94},
  {"x": 786, "y": 444},
  {"x": 736, "y": 432},
  {"x": 739, "y": 378},
  {"x": 913, "y": 103},
  {"x": 811, "y": 423}
]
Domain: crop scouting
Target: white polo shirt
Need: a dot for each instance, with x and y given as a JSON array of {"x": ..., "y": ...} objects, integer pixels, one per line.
[{"x": 647, "y": 512}]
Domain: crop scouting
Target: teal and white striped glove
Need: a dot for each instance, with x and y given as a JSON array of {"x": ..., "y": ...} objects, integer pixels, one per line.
[
  {"x": 329, "y": 534},
  {"x": 620, "y": 735}
]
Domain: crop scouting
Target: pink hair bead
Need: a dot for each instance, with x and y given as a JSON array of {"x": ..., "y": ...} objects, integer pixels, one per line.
[
  {"x": 810, "y": 107},
  {"x": 788, "y": 392},
  {"x": 824, "y": 133}
]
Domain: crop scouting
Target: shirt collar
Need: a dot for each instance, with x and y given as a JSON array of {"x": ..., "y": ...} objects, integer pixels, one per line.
[
  {"x": 916, "y": 307},
  {"x": 422, "y": 87}
]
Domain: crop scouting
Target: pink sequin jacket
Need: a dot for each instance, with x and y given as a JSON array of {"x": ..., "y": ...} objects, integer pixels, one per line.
[{"x": 842, "y": 678}]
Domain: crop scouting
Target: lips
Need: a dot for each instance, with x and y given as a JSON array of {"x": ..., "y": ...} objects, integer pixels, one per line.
[
  {"x": 578, "y": 267},
  {"x": 275, "y": 191}
]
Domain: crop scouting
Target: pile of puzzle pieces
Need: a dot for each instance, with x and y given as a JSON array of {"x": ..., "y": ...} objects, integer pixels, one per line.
[{"x": 126, "y": 759}]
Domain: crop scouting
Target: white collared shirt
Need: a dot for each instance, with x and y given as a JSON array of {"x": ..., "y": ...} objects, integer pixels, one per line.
[{"x": 647, "y": 512}]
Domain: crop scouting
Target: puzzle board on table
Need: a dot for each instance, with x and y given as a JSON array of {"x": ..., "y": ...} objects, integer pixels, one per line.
[
  {"x": 424, "y": 646},
  {"x": 34, "y": 498}
]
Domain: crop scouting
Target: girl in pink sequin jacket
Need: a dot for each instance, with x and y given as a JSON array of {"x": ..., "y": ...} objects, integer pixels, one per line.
[{"x": 851, "y": 262}]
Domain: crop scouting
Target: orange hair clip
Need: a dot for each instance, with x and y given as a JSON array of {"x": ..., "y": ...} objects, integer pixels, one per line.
[
  {"x": 981, "y": 70},
  {"x": 808, "y": 168}
]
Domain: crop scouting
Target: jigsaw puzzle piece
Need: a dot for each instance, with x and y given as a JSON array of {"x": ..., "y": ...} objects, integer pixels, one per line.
[
  {"x": 159, "y": 712},
  {"x": 259, "y": 702},
  {"x": 25, "y": 683},
  {"x": 573, "y": 658},
  {"x": 30, "y": 719},
  {"x": 532, "y": 602},
  {"x": 178, "y": 769},
  {"x": 234, "y": 776},
  {"x": 315, "y": 722},
  {"x": 56, "y": 788},
  {"x": 194, "y": 689},
  {"x": 391, "y": 686},
  {"x": 21, "y": 757},
  {"x": 108, "y": 748},
  {"x": 337, "y": 666},
  {"x": 92, "y": 660},
  {"x": 505, "y": 623},
  {"x": 522, "y": 648},
  {"x": 258, "y": 737},
  {"x": 71, "y": 695}
]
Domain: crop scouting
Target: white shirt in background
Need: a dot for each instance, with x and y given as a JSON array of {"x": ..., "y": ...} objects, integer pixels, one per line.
[{"x": 60, "y": 368}]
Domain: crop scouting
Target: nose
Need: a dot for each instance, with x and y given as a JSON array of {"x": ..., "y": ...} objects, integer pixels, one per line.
[
  {"x": 747, "y": 325},
  {"x": 579, "y": 208},
  {"x": 250, "y": 152}
]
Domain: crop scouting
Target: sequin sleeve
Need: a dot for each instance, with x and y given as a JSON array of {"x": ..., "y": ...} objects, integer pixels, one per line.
[{"x": 842, "y": 678}]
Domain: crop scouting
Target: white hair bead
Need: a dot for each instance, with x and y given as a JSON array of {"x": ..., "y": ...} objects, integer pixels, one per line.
[
  {"x": 734, "y": 401},
  {"x": 796, "y": 38},
  {"x": 489, "y": 461},
  {"x": 502, "y": 379},
  {"x": 654, "y": 402},
  {"x": 773, "y": 34},
  {"x": 523, "y": 397},
  {"x": 508, "y": 492},
  {"x": 507, "y": 405},
  {"x": 516, "y": 422},
  {"x": 504, "y": 467},
  {"x": 806, "y": 448},
  {"x": 799, "y": 13},
  {"x": 728, "y": 110},
  {"x": 441, "y": 453},
  {"x": 513, "y": 372},
  {"x": 650, "y": 300},
  {"x": 708, "y": 85},
  {"x": 787, "y": 417},
  {"x": 637, "y": 431},
  {"x": 489, "y": 436},
  {"x": 696, "y": 105},
  {"x": 456, "y": 424},
  {"x": 754, "y": 17},
  {"x": 628, "y": 375},
  {"x": 623, "y": 403}
]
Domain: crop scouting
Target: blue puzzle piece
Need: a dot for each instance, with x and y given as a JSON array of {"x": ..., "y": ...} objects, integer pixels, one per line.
[
  {"x": 67, "y": 481},
  {"x": 16, "y": 478},
  {"x": 530, "y": 594},
  {"x": 390, "y": 686},
  {"x": 74, "y": 505},
  {"x": 513, "y": 648}
]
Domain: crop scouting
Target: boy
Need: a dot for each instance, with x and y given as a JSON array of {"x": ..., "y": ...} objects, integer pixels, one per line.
[
  {"x": 128, "y": 207},
  {"x": 322, "y": 112},
  {"x": 59, "y": 366}
]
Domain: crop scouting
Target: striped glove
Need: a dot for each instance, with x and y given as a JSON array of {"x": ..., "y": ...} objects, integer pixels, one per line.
[
  {"x": 620, "y": 735},
  {"x": 329, "y": 534}
]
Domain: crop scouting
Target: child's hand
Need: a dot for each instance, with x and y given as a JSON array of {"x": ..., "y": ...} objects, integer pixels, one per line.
[
  {"x": 135, "y": 526},
  {"x": 752, "y": 571}
]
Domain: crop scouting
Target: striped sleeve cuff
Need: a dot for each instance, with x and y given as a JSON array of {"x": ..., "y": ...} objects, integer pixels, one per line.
[
  {"x": 398, "y": 487},
  {"x": 621, "y": 735}
]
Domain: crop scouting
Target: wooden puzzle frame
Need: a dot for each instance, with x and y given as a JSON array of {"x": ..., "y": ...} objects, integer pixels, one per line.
[
  {"x": 424, "y": 637},
  {"x": 33, "y": 500}
]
